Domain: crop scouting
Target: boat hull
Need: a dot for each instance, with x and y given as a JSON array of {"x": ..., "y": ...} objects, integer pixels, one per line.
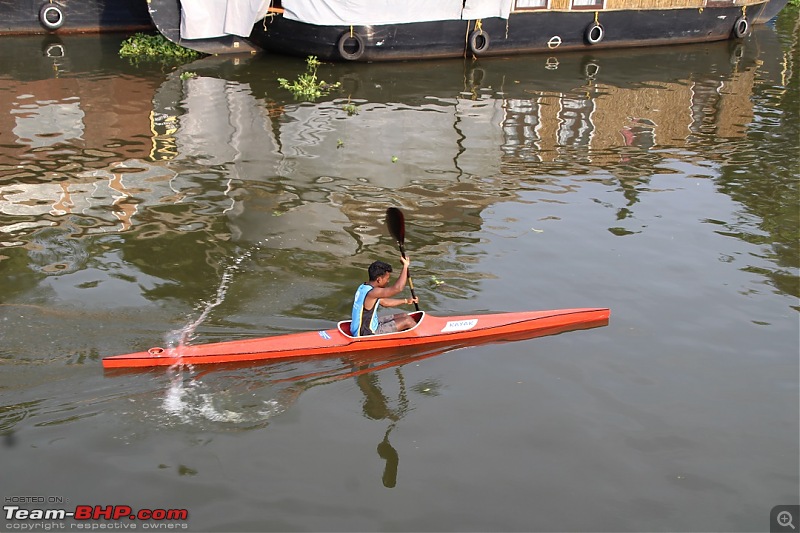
[
  {"x": 22, "y": 17},
  {"x": 769, "y": 11},
  {"x": 166, "y": 16},
  {"x": 430, "y": 330},
  {"x": 523, "y": 32}
]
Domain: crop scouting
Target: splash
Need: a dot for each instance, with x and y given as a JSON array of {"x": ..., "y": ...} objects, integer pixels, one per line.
[
  {"x": 188, "y": 399},
  {"x": 223, "y": 403},
  {"x": 182, "y": 336}
]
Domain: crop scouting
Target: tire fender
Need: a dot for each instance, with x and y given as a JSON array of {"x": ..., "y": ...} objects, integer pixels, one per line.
[
  {"x": 51, "y": 16},
  {"x": 478, "y": 42},
  {"x": 741, "y": 28},
  {"x": 350, "y": 46},
  {"x": 594, "y": 33}
]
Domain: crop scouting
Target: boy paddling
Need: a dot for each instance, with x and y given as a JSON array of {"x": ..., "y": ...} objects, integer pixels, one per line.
[{"x": 375, "y": 293}]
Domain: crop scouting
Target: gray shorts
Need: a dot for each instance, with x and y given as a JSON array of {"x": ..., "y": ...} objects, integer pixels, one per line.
[{"x": 386, "y": 324}]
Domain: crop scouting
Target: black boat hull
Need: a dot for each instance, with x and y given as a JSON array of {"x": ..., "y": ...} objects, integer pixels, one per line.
[
  {"x": 769, "y": 11},
  {"x": 23, "y": 17},
  {"x": 527, "y": 32}
]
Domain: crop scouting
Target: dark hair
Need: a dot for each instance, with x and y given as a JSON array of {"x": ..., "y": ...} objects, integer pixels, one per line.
[{"x": 378, "y": 269}]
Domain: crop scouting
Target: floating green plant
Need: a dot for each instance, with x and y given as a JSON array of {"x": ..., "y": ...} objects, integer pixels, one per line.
[
  {"x": 141, "y": 46},
  {"x": 351, "y": 109},
  {"x": 307, "y": 86}
]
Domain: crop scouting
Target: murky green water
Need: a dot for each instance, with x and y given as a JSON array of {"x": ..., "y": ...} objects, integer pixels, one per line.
[{"x": 138, "y": 208}]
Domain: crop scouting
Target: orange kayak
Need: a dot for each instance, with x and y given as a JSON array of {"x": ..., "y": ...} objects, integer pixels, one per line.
[{"x": 455, "y": 331}]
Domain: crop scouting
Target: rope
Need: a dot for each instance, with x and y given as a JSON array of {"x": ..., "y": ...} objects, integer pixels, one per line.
[{"x": 466, "y": 40}]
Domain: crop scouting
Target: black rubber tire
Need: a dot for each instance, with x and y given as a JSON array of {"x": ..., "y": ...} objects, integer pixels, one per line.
[
  {"x": 51, "y": 16},
  {"x": 478, "y": 42},
  {"x": 594, "y": 33},
  {"x": 741, "y": 28},
  {"x": 350, "y": 46}
]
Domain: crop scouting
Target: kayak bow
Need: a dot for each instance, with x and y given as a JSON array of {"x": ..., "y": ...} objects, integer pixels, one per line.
[{"x": 430, "y": 330}]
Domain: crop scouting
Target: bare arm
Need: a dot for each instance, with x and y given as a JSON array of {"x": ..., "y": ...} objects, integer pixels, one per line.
[
  {"x": 394, "y": 302},
  {"x": 384, "y": 294}
]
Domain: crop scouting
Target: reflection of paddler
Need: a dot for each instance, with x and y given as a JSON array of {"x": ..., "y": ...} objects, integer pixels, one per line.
[
  {"x": 376, "y": 407},
  {"x": 387, "y": 452}
]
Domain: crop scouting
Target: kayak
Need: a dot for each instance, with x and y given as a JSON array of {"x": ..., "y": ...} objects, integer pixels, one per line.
[{"x": 430, "y": 330}]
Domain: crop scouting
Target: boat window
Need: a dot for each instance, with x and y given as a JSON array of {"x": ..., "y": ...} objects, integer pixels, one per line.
[
  {"x": 588, "y": 4},
  {"x": 527, "y": 5}
]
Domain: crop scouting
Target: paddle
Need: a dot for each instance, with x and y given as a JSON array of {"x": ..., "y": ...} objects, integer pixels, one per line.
[{"x": 397, "y": 227}]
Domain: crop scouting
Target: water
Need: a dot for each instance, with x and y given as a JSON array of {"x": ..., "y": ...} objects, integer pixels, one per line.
[{"x": 140, "y": 209}]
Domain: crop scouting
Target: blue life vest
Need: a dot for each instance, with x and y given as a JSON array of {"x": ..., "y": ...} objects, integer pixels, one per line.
[{"x": 359, "y": 313}]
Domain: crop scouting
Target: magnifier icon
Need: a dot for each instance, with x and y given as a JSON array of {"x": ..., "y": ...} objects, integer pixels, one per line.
[{"x": 785, "y": 519}]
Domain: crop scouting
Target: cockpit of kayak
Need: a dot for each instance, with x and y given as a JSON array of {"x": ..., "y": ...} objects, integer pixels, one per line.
[{"x": 344, "y": 327}]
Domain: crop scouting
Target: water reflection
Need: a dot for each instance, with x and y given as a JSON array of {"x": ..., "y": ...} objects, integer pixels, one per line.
[
  {"x": 251, "y": 398},
  {"x": 465, "y": 128},
  {"x": 377, "y": 407},
  {"x": 228, "y": 159}
]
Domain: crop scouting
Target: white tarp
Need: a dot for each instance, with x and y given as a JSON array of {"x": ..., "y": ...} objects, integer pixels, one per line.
[
  {"x": 484, "y": 9},
  {"x": 206, "y": 19},
  {"x": 374, "y": 12},
  {"x": 370, "y": 12}
]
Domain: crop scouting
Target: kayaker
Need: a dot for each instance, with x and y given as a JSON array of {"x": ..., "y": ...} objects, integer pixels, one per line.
[{"x": 374, "y": 294}]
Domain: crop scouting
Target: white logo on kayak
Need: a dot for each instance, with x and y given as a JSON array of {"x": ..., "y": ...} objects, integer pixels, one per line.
[{"x": 459, "y": 325}]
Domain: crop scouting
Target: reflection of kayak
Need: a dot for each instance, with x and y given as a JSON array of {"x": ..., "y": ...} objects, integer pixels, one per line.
[{"x": 456, "y": 331}]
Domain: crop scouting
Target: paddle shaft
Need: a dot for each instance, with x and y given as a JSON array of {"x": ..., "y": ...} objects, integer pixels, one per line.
[{"x": 408, "y": 274}]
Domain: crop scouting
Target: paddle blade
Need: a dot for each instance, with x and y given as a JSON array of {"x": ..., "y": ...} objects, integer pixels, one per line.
[
  {"x": 397, "y": 224},
  {"x": 397, "y": 227}
]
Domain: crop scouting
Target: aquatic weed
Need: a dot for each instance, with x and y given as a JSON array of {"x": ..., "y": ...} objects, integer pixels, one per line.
[
  {"x": 307, "y": 86},
  {"x": 144, "y": 47}
]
